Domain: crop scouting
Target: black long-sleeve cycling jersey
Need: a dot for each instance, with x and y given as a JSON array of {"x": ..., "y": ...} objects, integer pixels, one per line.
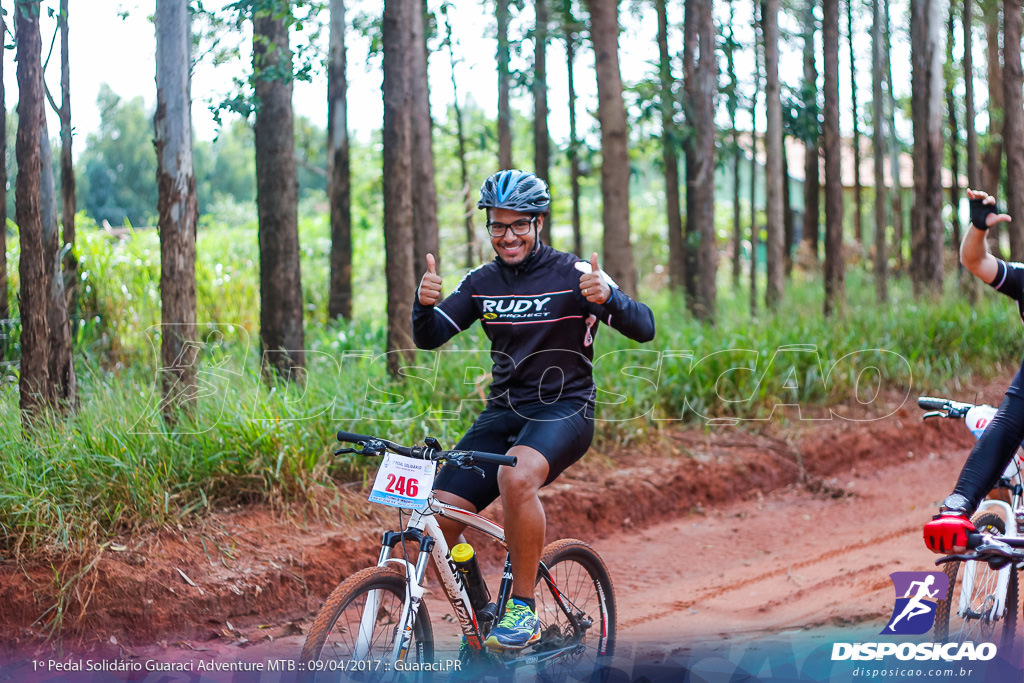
[
  {"x": 540, "y": 325},
  {"x": 994, "y": 450}
]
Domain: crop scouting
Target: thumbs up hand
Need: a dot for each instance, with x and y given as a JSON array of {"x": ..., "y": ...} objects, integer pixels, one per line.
[
  {"x": 430, "y": 284},
  {"x": 593, "y": 285}
]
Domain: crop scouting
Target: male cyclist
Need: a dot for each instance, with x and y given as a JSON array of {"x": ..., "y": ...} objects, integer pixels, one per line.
[
  {"x": 540, "y": 308},
  {"x": 947, "y": 532}
]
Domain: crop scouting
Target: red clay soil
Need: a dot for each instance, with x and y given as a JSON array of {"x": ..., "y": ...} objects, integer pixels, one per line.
[{"x": 255, "y": 573}]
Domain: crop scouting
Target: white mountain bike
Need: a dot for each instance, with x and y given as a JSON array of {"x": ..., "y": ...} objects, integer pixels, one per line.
[
  {"x": 982, "y": 606},
  {"x": 375, "y": 624}
]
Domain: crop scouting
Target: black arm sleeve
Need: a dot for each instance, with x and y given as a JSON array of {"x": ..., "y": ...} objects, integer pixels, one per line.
[
  {"x": 993, "y": 451},
  {"x": 434, "y": 325},
  {"x": 429, "y": 328},
  {"x": 631, "y": 318}
]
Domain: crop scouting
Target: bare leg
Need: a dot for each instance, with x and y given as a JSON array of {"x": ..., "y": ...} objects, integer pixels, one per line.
[
  {"x": 451, "y": 529},
  {"x": 524, "y": 515}
]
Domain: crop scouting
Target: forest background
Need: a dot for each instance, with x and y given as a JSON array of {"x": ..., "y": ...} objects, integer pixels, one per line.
[{"x": 187, "y": 319}]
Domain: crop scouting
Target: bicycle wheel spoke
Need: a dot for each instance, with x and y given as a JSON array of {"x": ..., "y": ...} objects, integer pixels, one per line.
[
  {"x": 361, "y": 622},
  {"x": 577, "y": 614}
]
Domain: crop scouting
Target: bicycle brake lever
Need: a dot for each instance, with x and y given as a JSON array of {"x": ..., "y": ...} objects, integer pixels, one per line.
[
  {"x": 460, "y": 462},
  {"x": 933, "y": 413},
  {"x": 342, "y": 451},
  {"x": 953, "y": 558},
  {"x": 997, "y": 555}
]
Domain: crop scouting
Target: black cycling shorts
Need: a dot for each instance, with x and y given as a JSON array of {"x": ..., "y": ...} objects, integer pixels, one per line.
[{"x": 561, "y": 431}]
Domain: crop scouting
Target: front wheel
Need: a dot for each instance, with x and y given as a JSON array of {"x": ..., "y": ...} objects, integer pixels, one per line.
[
  {"x": 974, "y": 622},
  {"x": 576, "y": 608},
  {"x": 354, "y": 633}
]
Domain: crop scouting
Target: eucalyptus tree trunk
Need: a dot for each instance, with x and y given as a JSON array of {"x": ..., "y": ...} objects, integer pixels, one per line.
[
  {"x": 5, "y": 311},
  {"x": 858, "y": 216},
  {"x": 1013, "y": 122},
  {"x": 896, "y": 196},
  {"x": 954, "y": 136},
  {"x": 787, "y": 214},
  {"x": 732, "y": 106},
  {"x": 927, "y": 232},
  {"x": 691, "y": 230},
  {"x": 669, "y": 143},
  {"x": 67, "y": 169},
  {"x": 36, "y": 389},
  {"x": 504, "y": 83},
  {"x": 339, "y": 182},
  {"x": 812, "y": 181},
  {"x": 992, "y": 155},
  {"x": 570, "y": 28},
  {"x": 753, "y": 161},
  {"x": 969, "y": 285},
  {"x": 281, "y": 332},
  {"x": 62, "y": 370},
  {"x": 541, "y": 137},
  {"x": 973, "y": 169},
  {"x": 177, "y": 206},
  {"x": 881, "y": 262},
  {"x": 700, "y": 76},
  {"x": 774, "y": 263},
  {"x": 835, "y": 267},
  {"x": 611, "y": 112},
  {"x": 400, "y": 265},
  {"x": 424, "y": 191}
]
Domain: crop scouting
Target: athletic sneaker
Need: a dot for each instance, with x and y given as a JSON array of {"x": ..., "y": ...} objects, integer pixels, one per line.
[{"x": 517, "y": 629}]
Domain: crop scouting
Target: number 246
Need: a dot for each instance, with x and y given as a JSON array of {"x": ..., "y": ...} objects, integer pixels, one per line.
[{"x": 402, "y": 486}]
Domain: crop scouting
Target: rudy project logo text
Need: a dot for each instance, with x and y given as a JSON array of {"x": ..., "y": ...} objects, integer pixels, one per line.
[{"x": 917, "y": 595}]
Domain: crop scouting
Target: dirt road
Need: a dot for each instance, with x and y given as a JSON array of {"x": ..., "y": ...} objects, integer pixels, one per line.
[{"x": 733, "y": 558}]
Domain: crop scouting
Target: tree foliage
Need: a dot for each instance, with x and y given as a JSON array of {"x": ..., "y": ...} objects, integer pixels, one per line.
[{"x": 118, "y": 166}]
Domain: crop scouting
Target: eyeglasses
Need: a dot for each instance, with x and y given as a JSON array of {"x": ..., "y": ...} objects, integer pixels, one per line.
[{"x": 520, "y": 227}]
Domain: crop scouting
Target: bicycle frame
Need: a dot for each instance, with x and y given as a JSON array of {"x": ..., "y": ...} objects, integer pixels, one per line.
[
  {"x": 977, "y": 419},
  {"x": 425, "y": 531},
  {"x": 1009, "y": 511}
]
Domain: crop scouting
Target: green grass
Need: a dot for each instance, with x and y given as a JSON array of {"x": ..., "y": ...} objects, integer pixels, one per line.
[{"x": 115, "y": 468}]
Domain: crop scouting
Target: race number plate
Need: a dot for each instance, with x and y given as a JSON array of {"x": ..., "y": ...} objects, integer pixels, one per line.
[{"x": 403, "y": 482}]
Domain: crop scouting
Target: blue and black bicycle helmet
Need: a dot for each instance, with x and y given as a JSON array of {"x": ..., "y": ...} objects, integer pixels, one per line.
[{"x": 515, "y": 190}]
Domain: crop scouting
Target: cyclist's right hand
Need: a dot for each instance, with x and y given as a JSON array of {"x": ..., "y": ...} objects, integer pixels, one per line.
[
  {"x": 947, "y": 532},
  {"x": 429, "y": 291}
]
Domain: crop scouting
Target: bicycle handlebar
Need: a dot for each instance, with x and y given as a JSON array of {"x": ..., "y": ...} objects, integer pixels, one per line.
[
  {"x": 378, "y": 446},
  {"x": 997, "y": 551},
  {"x": 929, "y": 403},
  {"x": 946, "y": 406}
]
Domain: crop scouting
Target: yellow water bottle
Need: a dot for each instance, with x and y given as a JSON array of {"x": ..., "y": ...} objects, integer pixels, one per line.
[{"x": 464, "y": 558}]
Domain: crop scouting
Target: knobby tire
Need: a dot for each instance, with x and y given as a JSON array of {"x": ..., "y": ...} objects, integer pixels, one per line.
[
  {"x": 330, "y": 642},
  {"x": 1001, "y": 632},
  {"x": 582, "y": 580}
]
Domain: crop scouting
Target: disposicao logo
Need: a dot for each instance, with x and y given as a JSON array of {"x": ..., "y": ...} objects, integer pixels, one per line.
[{"x": 917, "y": 594}]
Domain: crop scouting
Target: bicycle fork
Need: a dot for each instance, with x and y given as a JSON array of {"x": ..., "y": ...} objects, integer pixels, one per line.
[
  {"x": 996, "y": 610},
  {"x": 413, "y": 593}
]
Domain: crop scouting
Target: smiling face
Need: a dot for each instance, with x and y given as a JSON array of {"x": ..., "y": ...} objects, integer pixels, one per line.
[{"x": 513, "y": 249}]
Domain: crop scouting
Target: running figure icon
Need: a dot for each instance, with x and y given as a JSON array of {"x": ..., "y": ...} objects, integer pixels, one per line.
[
  {"x": 917, "y": 595},
  {"x": 917, "y": 606}
]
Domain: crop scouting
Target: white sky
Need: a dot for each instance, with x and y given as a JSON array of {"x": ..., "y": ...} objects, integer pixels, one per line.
[{"x": 112, "y": 42}]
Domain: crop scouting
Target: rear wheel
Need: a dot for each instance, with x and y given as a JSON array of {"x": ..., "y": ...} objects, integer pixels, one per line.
[
  {"x": 576, "y": 608},
  {"x": 975, "y": 621},
  {"x": 341, "y": 642}
]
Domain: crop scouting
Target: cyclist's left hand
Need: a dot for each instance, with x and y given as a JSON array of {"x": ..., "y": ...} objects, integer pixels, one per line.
[
  {"x": 593, "y": 285},
  {"x": 947, "y": 532}
]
